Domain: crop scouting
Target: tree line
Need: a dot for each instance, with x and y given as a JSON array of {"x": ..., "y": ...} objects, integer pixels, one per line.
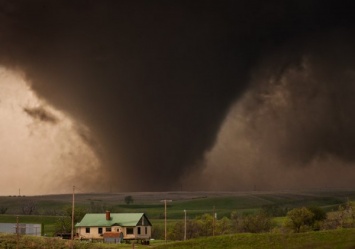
[{"x": 296, "y": 220}]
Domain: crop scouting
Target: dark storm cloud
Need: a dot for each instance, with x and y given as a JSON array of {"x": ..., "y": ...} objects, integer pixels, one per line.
[
  {"x": 154, "y": 79},
  {"x": 294, "y": 127},
  {"x": 307, "y": 99}
]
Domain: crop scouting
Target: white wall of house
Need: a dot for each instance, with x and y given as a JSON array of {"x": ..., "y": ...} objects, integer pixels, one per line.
[
  {"x": 139, "y": 232},
  {"x": 90, "y": 232},
  {"x": 94, "y": 232}
]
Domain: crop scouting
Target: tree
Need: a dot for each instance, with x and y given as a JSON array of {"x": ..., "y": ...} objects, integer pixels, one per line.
[
  {"x": 177, "y": 232},
  {"x": 236, "y": 220},
  {"x": 3, "y": 210},
  {"x": 257, "y": 223},
  {"x": 223, "y": 226},
  {"x": 97, "y": 207},
  {"x": 274, "y": 210},
  {"x": 29, "y": 207},
  {"x": 128, "y": 199},
  {"x": 319, "y": 216},
  {"x": 205, "y": 224},
  {"x": 158, "y": 232},
  {"x": 343, "y": 217},
  {"x": 63, "y": 224},
  {"x": 250, "y": 223},
  {"x": 193, "y": 229},
  {"x": 79, "y": 213},
  {"x": 300, "y": 218}
]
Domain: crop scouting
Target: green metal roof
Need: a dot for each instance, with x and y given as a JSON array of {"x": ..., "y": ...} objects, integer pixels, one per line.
[{"x": 120, "y": 219}]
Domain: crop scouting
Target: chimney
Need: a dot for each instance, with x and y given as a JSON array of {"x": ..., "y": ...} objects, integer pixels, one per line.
[{"x": 108, "y": 215}]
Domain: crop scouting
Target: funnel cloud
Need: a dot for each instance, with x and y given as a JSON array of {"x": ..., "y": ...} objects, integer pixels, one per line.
[
  {"x": 194, "y": 94},
  {"x": 294, "y": 128}
]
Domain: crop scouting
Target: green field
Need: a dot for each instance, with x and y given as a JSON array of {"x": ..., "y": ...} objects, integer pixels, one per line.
[
  {"x": 196, "y": 203},
  {"x": 334, "y": 239}
]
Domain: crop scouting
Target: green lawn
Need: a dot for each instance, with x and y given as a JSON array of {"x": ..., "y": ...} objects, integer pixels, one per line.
[
  {"x": 35, "y": 242},
  {"x": 333, "y": 239}
]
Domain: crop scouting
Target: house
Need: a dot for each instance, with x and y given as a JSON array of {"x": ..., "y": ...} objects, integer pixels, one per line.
[{"x": 111, "y": 227}]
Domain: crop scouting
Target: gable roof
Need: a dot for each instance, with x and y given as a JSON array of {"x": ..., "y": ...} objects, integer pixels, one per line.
[{"x": 119, "y": 219}]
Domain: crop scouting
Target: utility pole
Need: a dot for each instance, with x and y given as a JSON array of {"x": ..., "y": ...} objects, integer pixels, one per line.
[
  {"x": 17, "y": 233},
  {"x": 72, "y": 220},
  {"x": 165, "y": 201},
  {"x": 185, "y": 225},
  {"x": 214, "y": 220}
]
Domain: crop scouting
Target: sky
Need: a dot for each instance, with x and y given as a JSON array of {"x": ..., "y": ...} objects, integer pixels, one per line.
[{"x": 176, "y": 95}]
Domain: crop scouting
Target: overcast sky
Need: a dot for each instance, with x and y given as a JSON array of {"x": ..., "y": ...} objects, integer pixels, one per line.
[{"x": 176, "y": 95}]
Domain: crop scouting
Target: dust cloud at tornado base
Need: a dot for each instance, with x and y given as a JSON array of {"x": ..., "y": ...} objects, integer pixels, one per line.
[
  {"x": 294, "y": 128},
  {"x": 42, "y": 148},
  {"x": 182, "y": 95}
]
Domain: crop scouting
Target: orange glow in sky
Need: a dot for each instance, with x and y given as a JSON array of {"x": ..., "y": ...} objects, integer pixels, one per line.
[{"x": 41, "y": 148}]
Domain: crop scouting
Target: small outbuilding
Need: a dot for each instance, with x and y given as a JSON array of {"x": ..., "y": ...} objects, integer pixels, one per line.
[
  {"x": 115, "y": 227},
  {"x": 113, "y": 237}
]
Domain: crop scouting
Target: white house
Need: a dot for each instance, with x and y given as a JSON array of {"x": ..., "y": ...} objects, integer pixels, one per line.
[{"x": 112, "y": 226}]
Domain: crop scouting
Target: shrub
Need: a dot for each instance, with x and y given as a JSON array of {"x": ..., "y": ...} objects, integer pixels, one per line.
[
  {"x": 128, "y": 199},
  {"x": 300, "y": 219}
]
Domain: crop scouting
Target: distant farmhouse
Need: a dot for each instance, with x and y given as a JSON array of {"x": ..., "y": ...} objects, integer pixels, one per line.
[{"x": 114, "y": 227}]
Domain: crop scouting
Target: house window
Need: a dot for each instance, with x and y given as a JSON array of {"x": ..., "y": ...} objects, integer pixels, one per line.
[
  {"x": 129, "y": 230},
  {"x": 146, "y": 230},
  {"x": 100, "y": 230},
  {"x": 87, "y": 230},
  {"x": 139, "y": 230},
  {"x": 108, "y": 229}
]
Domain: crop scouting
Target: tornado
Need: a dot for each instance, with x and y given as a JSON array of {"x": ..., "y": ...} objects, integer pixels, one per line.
[{"x": 158, "y": 82}]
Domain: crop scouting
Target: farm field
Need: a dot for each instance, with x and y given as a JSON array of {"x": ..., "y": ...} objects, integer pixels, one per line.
[{"x": 196, "y": 202}]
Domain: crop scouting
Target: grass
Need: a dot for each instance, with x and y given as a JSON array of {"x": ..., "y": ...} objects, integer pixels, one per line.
[
  {"x": 33, "y": 242},
  {"x": 279, "y": 221},
  {"x": 334, "y": 239}
]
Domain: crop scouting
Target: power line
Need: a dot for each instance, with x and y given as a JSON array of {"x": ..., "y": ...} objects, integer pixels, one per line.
[
  {"x": 165, "y": 201},
  {"x": 72, "y": 219}
]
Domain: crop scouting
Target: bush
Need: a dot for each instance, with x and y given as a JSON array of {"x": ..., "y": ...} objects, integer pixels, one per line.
[
  {"x": 251, "y": 223},
  {"x": 128, "y": 199},
  {"x": 274, "y": 210},
  {"x": 319, "y": 216},
  {"x": 300, "y": 219},
  {"x": 158, "y": 232}
]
